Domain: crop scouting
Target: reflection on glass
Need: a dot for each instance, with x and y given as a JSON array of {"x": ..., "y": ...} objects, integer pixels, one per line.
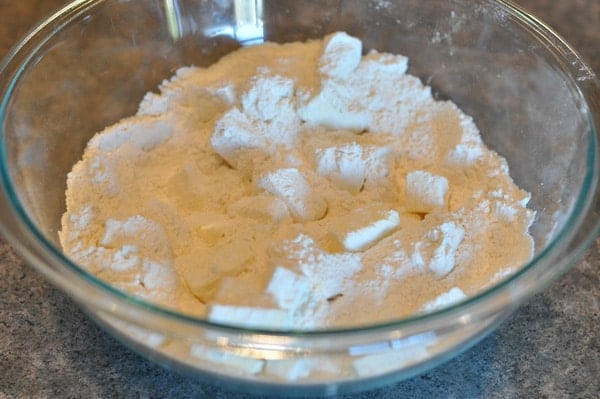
[{"x": 249, "y": 21}]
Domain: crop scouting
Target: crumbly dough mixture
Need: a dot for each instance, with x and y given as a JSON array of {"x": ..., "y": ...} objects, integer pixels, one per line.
[{"x": 302, "y": 185}]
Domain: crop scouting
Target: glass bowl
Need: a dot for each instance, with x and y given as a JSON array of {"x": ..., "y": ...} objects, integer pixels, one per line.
[{"x": 88, "y": 65}]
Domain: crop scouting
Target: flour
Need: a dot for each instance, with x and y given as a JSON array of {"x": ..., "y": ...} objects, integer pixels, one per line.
[{"x": 303, "y": 185}]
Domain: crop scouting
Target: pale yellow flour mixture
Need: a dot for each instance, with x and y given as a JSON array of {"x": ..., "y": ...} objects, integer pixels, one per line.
[{"x": 301, "y": 186}]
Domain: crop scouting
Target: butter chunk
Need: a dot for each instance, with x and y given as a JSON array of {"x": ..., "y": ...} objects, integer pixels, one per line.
[
  {"x": 267, "y": 98},
  {"x": 380, "y": 363},
  {"x": 263, "y": 207},
  {"x": 249, "y": 316},
  {"x": 352, "y": 166},
  {"x": 445, "y": 240},
  {"x": 203, "y": 268},
  {"x": 332, "y": 105},
  {"x": 363, "y": 227},
  {"x": 448, "y": 298},
  {"x": 291, "y": 187},
  {"x": 341, "y": 55},
  {"x": 327, "y": 108},
  {"x": 426, "y": 192},
  {"x": 290, "y": 290},
  {"x": 237, "y": 140},
  {"x": 230, "y": 361}
]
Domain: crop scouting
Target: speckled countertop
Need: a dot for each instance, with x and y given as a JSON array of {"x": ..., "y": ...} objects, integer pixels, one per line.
[{"x": 549, "y": 348}]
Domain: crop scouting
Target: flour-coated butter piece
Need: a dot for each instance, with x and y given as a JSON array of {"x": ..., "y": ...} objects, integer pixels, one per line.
[
  {"x": 266, "y": 97},
  {"x": 291, "y": 187},
  {"x": 289, "y": 290},
  {"x": 332, "y": 104},
  {"x": 144, "y": 133},
  {"x": 249, "y": 316},
  {"x": 203, "y": 268},
  {"x": 236, "y": 139},
  {"x": 464, "y": 154},
  {"x": 445, "y": 240},
  {"x": 303, "y": 367},
  {"x": 262, "y": 207},
  {"x": 329, "y": 108},
  {"x": 245, "y": 365},
  {"x": 363, "y": 227},
  {"x": 209, "y": 227},
  {"x": 341, "y": 55},
  {"x": 454, "y": 295},
  {"x": 391, "y": 360},
  {"x": 425, "y": 192},
  {"x": 125, "y": 259},
  {"x": 353, "y": 166}
]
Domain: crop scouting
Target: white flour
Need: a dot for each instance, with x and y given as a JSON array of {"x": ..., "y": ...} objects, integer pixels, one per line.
[{"x": 299, "y": 185}]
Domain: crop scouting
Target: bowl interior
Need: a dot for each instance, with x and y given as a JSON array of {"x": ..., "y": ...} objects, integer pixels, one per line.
[{"x": 102, "y": 56}]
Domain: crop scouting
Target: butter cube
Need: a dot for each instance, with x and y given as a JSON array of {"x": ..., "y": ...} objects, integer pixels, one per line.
[
  {"x": 290, "y": 290},
  {"x": 230, "y": 361},
  {"x": 263, "y": 207},
  {"x": 353, "y": 166},
  {"x": 363, "y": 227},
  {"x": 445, "y": 239},
  {"x": 386, "y": 362},
  {"x": 291, "y": 187},
  {"x": 249, "y": 316},
  {"x": 341, "y": 55},
  {"x": 235, "y": 139},
  {"x": 425, "y": 192},
  {"x": 446, "y": 299}
]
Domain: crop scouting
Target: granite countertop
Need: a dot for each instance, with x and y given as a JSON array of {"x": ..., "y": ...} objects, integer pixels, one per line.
[{"x": 549, "y": 348}]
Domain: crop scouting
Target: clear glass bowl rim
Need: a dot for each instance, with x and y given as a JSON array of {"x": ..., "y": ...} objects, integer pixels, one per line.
[{"x": 485, "y": 302}]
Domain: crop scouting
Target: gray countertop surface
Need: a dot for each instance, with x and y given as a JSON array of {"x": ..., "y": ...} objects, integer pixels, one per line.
[{"x": 549, "y": 348}]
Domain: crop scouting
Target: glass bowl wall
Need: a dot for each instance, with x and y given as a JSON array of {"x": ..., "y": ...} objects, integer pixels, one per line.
[{"x": 89, "y": 65}]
